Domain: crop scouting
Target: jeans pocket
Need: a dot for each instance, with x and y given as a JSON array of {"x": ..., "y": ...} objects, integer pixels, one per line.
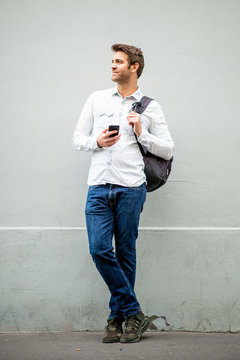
[
  {"x": 95, "y": 187},
  {"x": 138, "y": 188},
  {"x": 92, "y": 187}
]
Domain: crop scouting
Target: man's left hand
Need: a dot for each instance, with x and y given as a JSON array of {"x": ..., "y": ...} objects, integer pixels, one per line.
[{"x": 135, "y": 120}]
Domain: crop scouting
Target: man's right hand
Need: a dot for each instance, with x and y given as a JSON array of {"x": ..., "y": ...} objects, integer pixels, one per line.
[{"x": 103, "y": 139}]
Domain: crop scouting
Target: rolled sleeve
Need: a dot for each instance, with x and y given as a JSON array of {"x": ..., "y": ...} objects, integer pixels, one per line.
[
  {"x": 155, "y": 136},
  {"x": 83, "y": 139}
]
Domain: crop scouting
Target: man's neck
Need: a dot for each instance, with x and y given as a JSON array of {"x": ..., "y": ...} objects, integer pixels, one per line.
[{"x": 127, "y": 89}]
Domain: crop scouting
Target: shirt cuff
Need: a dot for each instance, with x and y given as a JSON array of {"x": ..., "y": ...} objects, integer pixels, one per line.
[{"x": 94, "y": 144}]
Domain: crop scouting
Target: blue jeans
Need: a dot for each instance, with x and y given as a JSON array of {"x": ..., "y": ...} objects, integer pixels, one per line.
[{"x": 115, "y": 210}]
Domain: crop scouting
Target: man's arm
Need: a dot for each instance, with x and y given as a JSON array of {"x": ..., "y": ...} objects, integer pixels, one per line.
[
  {"x": 83, "y": 138},
  {"x": 156, "y": 139}
]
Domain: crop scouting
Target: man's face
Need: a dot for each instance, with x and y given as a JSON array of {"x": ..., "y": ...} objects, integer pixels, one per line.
[{"x": 121, "y": 71}]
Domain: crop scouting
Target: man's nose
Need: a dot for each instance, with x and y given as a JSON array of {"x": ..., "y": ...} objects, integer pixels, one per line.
[{"x": 114, "y": 66}]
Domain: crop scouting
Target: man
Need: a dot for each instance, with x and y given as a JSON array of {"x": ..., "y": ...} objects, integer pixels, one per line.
[{"x": 117, "y": 189}]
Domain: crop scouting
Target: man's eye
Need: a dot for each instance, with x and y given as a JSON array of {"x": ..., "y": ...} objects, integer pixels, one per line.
[{"x": 117, "y": 61}]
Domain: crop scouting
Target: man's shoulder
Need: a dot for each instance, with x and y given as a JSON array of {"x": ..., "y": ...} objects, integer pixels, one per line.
[
  {"x": 154, "y": 104},
  {"x": 153, "y": 108}
]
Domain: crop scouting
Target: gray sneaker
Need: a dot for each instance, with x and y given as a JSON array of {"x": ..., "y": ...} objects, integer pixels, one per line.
[
  {"x": 134, "y": 328},
  {"x": 113, "y": 331}
]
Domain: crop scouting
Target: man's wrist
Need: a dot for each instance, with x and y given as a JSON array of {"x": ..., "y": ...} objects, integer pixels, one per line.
[
  {"x": 138, "y": 133},
  {"x": 98, "y": 144}
]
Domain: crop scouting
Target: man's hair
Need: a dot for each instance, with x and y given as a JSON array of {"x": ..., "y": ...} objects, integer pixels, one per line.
[{"x": 135, "y": 55}]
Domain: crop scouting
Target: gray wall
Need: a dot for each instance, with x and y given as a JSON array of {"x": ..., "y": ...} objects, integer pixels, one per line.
[{"x": 54, "y": 54}]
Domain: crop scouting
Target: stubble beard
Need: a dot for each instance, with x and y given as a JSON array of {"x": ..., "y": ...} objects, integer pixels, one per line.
[{"x": 122, "y": 79}]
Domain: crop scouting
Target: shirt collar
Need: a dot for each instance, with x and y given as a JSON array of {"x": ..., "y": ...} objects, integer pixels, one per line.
[{"x": 137, "y": 95}]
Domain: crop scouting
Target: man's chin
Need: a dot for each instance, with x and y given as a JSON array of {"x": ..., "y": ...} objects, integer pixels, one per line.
[{"x": 117, "y": 80}]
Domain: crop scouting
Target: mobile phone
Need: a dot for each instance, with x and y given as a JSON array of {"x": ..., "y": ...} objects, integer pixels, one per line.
[{"x": 112, "y": 128}]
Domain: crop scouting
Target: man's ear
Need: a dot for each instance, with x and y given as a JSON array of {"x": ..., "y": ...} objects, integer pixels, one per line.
[{"x": 134, "y": 67}]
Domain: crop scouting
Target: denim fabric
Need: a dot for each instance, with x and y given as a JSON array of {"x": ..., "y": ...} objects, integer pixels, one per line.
[{"x": 115, "y": 210}]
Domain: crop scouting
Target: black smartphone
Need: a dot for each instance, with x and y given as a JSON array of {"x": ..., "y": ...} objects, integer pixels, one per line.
[{"x": 112, "y": 128}]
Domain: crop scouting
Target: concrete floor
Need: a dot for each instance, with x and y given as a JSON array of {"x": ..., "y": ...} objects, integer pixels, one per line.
[{"x": 88, "y": 345}]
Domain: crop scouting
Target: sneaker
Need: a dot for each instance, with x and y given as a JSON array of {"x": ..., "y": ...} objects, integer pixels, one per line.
[
  {"x": 113, "y": 330},
  {"x": 134, "y": 328}
]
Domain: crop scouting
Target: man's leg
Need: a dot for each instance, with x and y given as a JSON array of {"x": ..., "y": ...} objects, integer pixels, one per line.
[
  {"x": 129, "y": 205},
  {"x": 100, "y": 225},
  {"x": 128, "y": 209}
]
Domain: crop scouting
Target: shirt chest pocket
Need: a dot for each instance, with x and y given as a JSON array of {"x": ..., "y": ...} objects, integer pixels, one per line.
[{"x": 103, "y": 118}]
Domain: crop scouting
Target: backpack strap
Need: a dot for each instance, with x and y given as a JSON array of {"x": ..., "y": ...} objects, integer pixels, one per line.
[
  {"x": 145, "y": 101},
  {"x": 139, "y": 107}
]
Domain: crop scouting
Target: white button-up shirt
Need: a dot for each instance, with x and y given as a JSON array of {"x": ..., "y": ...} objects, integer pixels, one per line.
[{"x": 122, "y": 163}]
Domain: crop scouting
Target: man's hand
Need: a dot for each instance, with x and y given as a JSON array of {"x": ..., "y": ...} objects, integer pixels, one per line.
[
  {"x": 103, "y": 139},
  {"x": 135, "y": 120}
]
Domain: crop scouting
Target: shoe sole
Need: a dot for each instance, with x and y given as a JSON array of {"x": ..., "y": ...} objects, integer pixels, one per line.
[
  {"x": 111, "y": 341},
  {"x": 143, "y": 328}
]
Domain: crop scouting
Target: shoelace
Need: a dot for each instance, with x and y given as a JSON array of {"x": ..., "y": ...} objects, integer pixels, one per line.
[
  {"x": 114, "y": 326},
  {"x": 132, "y": 324}
]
